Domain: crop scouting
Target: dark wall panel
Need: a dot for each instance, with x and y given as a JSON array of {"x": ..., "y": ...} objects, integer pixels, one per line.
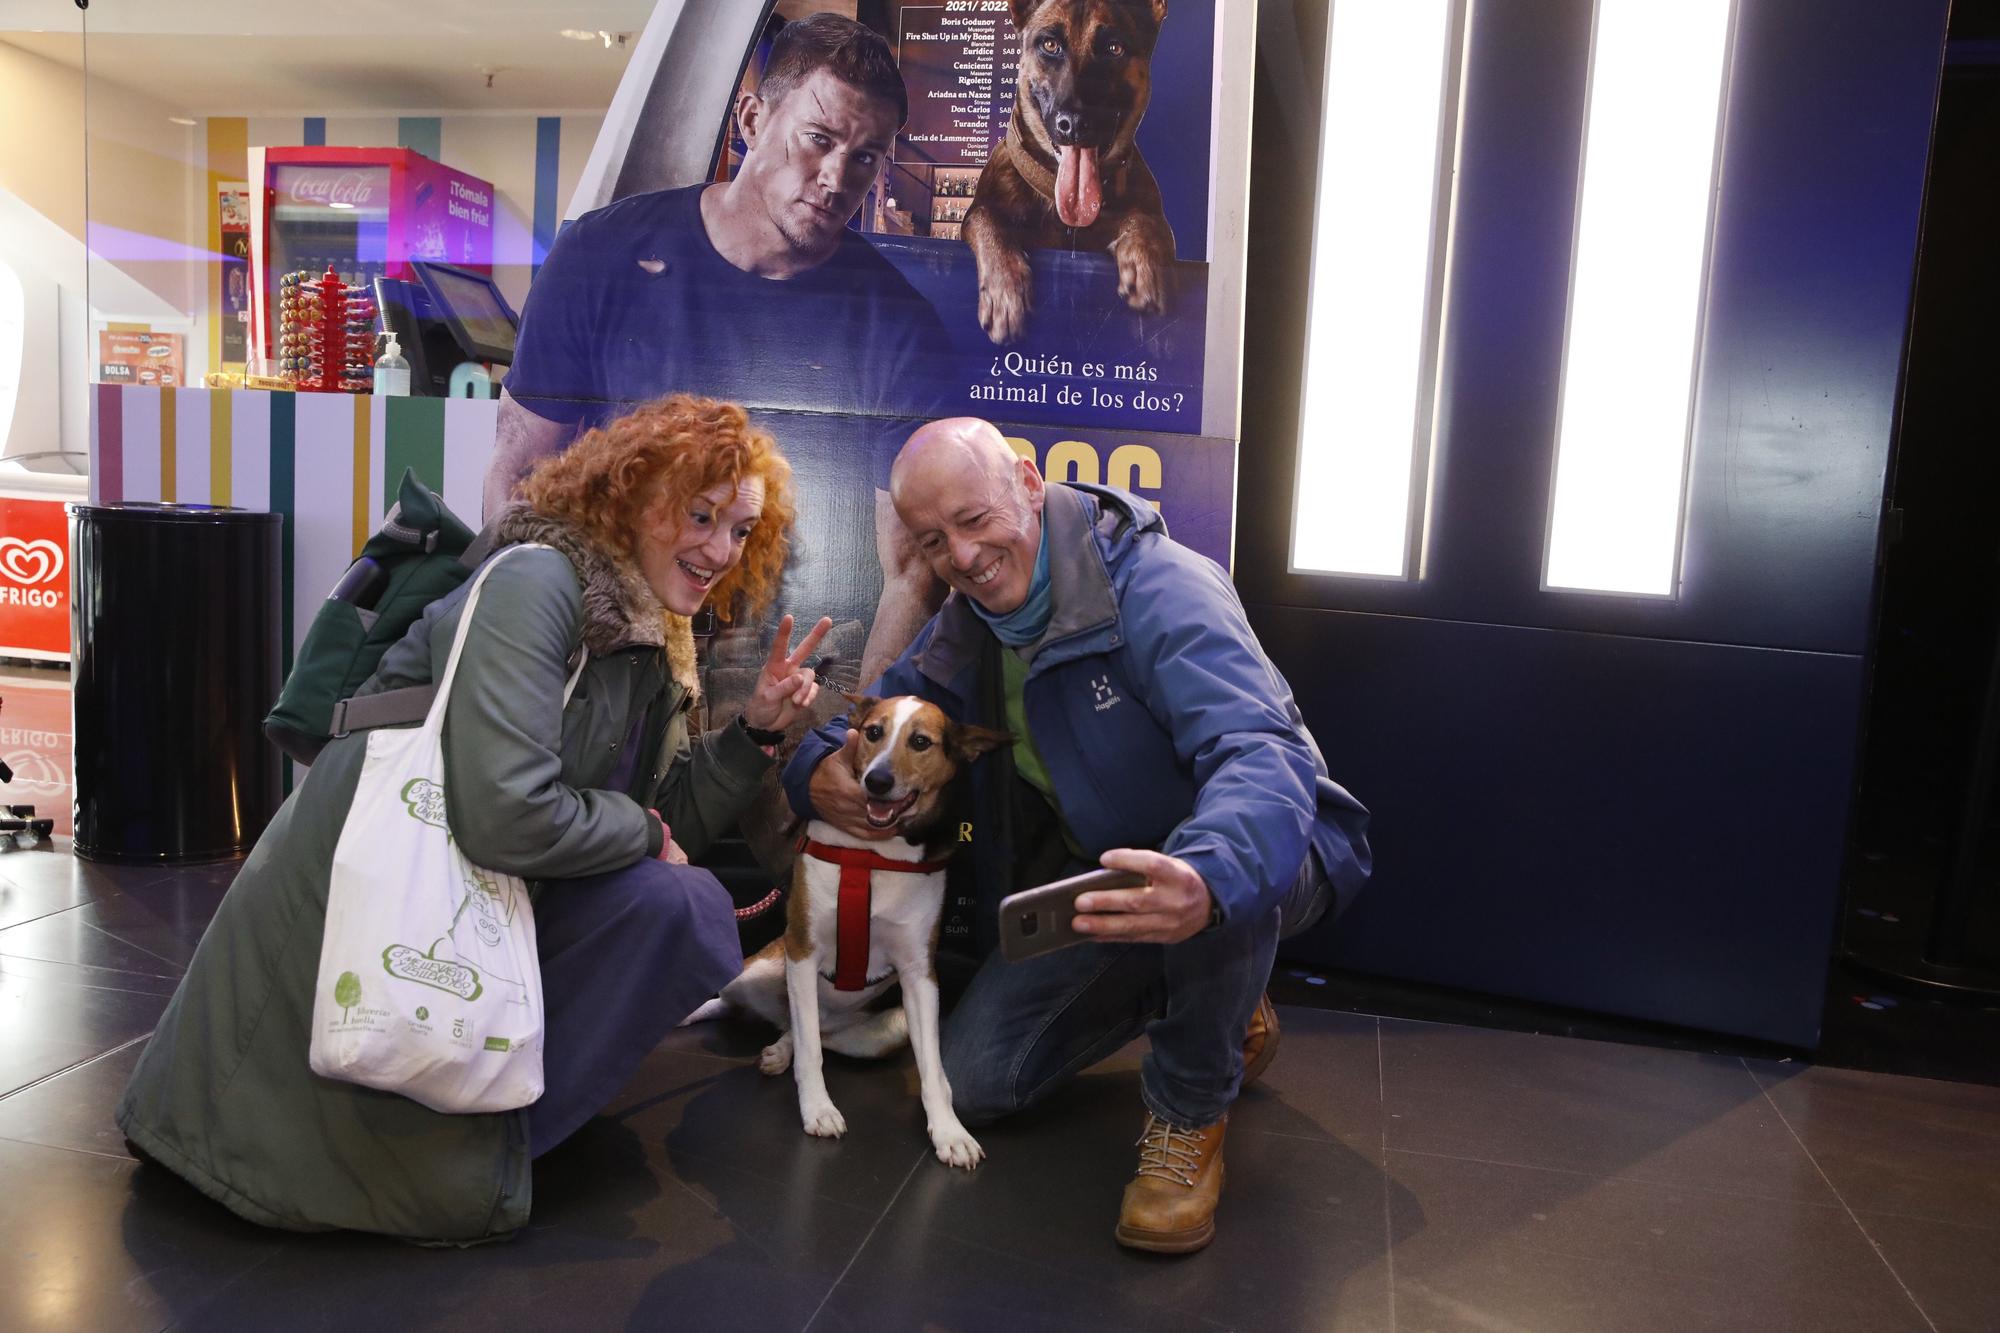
[
  {"x": 1624, "y": 804},
  {"x": 1824, "y": 157},
  {"x": 1638, "y": 826},
  {"x": 1826, "y": 139}
]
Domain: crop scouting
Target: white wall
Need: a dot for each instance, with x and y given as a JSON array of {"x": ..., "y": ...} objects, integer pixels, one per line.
[{"x": 501, "y": 149}]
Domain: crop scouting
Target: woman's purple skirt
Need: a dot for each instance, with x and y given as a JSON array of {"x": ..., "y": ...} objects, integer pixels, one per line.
[{"x": 625, "y": 956}]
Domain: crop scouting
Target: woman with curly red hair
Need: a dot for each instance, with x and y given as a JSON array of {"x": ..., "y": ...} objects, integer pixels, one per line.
[
  {"x": 665, "y": 456},
  {"x": 598, "y": 801}
]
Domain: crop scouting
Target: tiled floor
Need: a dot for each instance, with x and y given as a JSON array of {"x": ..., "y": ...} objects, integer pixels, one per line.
[{"x": 1387, "y": 1175}]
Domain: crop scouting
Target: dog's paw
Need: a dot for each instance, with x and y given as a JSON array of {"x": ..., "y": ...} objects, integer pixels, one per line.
[
  {"x": 823, "y": 1120},
  {"x": 777, "y": 1057},
  {"x": 1142, "y": 278},
  {"x": 1005, "y": 287},
  {"x": 955, "y": 1147}
]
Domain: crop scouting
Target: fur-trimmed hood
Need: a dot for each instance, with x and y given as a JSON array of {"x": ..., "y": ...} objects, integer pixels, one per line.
[{"x": 619, "y": 608}]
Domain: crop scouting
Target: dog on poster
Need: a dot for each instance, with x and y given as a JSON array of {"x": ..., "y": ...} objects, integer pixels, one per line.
[
  {"x": 1069, "y": 173},
  {"x": 864, "y": 915}
]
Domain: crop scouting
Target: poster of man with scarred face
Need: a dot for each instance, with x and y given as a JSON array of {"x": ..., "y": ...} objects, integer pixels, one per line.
[{"x": 1029, "y": 211}]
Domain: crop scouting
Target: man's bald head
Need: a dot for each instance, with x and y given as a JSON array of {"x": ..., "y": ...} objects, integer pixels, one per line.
[
  {"x": 974, "y": 508},
  {"x": 948, "y": 452}
]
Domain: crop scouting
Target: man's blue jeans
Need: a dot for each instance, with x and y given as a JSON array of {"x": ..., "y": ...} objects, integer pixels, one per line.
[{"x": 1022, "y": 1030}]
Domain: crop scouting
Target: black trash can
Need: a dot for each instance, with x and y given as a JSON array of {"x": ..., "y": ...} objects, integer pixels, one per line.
[{"x": 176, "y": 616}]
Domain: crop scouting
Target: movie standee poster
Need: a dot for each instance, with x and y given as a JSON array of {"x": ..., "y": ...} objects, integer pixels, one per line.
[{"x": 1046, "y": 245}]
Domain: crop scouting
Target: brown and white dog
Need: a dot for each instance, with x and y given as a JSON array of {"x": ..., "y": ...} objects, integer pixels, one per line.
[
  {"x": 1069, "y": 173},
  {"x": 864, "y": 915}
]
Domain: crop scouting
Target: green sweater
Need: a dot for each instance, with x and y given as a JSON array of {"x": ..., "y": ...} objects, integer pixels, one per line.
[{"x": 1027, "y": 759}]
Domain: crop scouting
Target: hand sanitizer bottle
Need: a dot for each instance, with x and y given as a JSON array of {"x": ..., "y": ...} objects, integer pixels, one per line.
[{"x": 392, "y": 372}]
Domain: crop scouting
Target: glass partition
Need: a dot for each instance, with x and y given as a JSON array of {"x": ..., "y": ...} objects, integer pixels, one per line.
[
  {"x": 236, "y": 152},
  {"x": 43, "y": 256},
  {"x": 276, "y": 190},
  {"x": 45, "y": 316}
]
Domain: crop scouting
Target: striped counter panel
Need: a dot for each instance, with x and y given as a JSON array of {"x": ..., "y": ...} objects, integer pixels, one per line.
[{"x": 329, "y": 463}]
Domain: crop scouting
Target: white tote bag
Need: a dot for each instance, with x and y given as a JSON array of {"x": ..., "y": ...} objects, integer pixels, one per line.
[{"x": 429, "y": 984}]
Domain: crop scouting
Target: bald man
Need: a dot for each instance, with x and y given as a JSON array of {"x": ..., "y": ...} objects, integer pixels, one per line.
[{"x": 1152, "y": 735}]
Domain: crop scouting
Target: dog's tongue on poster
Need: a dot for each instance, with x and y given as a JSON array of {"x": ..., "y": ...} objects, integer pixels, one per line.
[{"x": 1078, "y": 196}]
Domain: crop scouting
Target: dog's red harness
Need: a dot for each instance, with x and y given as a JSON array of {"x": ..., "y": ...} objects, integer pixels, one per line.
[{"x": 857, "y": 878}]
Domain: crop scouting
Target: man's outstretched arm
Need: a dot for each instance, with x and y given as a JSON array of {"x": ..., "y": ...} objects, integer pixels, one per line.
[{"x": 521, "y": 440}]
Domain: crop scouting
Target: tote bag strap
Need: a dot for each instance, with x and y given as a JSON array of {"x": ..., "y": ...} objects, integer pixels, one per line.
[
  {"x": 582, "y": 661},
  {"x": 434, "y": 721}
]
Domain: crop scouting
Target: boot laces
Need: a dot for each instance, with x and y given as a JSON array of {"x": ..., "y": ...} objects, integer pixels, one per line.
[{"x": 1169, "y": 1153}]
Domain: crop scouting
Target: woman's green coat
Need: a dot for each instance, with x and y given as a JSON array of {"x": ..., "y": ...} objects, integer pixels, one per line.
[{"x": 223, "y": 1095}]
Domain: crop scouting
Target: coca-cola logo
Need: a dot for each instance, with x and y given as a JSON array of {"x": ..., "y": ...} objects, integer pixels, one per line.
[
  {"x": 326, "y": 187},
  {"x": 29, "y": 563}
]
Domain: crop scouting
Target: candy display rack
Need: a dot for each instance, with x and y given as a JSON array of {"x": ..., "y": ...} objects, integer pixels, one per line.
[{"x": 326, "y": 333}]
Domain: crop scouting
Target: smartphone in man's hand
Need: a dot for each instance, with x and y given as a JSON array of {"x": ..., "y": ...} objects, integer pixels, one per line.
[{"x": 1040, "y": 920}]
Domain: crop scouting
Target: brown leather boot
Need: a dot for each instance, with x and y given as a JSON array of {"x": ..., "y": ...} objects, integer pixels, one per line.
[
  {"x": 1169, "y": 1205},
  {"x": 1260, "y": 1043}
]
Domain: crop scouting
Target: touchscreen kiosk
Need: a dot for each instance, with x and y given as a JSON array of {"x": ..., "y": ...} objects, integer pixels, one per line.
[
  {"x": 474, "y": 307},
  {"x": 448, "y": 318}
]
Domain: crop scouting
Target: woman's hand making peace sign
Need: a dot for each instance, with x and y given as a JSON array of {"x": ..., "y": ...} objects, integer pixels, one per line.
[{"x": 786, "y": 687}]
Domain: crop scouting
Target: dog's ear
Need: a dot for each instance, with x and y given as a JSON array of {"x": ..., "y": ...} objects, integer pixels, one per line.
[
  {"x": 1159, "y": 11},
  {"x": 1023, "y": 10},
  {"x": 859, "y": 707},
  {"x": 969, "y": 743}
]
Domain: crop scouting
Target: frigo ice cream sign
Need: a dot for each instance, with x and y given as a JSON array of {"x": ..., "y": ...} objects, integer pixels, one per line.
[
  {"x": 34, "y": 579},
  {"x": 29, "y": 567}
]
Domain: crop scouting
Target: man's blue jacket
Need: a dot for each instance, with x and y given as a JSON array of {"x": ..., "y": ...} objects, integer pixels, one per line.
[{"x": 1160, "y": 720}]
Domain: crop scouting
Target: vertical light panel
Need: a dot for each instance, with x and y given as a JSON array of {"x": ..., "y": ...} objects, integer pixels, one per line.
[
  {"x": 1369, "y": 322},
  {"x": 1636, "y": 287}
]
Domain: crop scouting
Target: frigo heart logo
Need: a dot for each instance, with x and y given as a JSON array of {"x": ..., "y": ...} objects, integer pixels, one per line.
[
  {"x": 36, "y": 772},
  {"x": 30, "y": 563}
]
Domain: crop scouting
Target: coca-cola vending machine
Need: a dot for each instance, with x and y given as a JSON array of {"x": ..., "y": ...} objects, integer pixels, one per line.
[{"x": 364, "y": 212}]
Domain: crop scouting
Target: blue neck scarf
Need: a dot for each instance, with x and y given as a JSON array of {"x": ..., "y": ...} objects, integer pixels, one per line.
[{"x": 1027, "y": 622}]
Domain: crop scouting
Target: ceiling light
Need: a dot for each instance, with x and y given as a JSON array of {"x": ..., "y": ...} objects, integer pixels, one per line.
[
  {"x": 610, "y": 39},
  {"x": 182, "y": 120}
]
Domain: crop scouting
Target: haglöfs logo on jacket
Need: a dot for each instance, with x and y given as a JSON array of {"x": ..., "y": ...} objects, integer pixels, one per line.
[{"x": 1106, "y": 697}]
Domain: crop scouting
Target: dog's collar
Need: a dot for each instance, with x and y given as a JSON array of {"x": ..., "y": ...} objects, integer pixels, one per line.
[
  {"x": 857, "y": 879},
  {"x": 1040, "y": 179}
]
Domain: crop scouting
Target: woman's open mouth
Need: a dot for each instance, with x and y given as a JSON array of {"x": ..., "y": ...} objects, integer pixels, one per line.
[
  {"x": 699, "y": 575},
  {"x": 881, "y": 814}
]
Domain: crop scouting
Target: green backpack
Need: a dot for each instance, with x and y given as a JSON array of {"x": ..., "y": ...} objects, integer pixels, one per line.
[{"x": 422, "y": 552}]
